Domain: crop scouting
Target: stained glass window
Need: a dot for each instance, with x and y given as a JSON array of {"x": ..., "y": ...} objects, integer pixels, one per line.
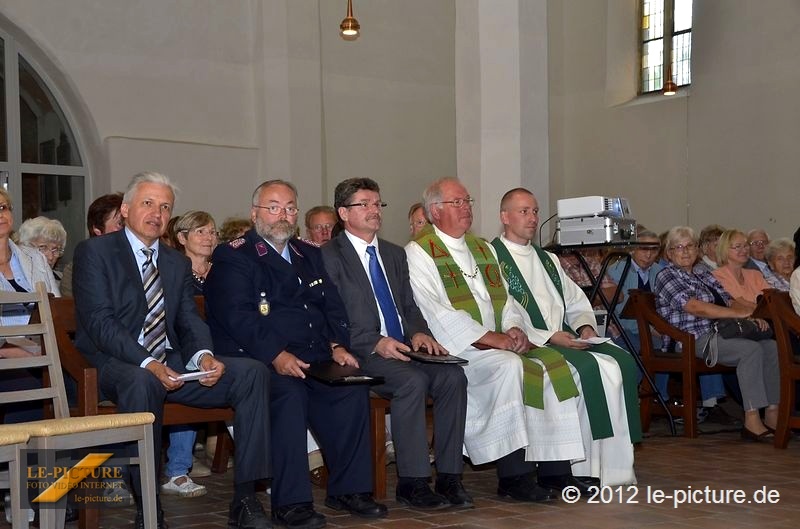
[{"x": 666, "y": 43}]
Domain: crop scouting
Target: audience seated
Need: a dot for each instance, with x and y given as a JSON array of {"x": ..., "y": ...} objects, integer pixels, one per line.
[
  {"x": 709, "y": 238},
  {"x": 46, "y": 235},
  {"x": 194, "y": 234},
  {"x": 692, "y": 302},
  {"x": 320, "y": 221},
  {"x": 416, "y": 219},
  {"x": 102, "y": 217},
  {"x": 780, "y": 257},
  {"x": 139, "y": 364},
  {"x": 795, "y": 279},
  {"x": 743, "y": 285},
  {"x": 758, "y": 239},
  {"x": 269, "y": 298},
  {"x": 233, "y": 228}
]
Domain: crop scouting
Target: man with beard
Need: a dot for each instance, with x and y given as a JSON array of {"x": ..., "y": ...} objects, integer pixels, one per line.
[{"x": 268, "y": 297}]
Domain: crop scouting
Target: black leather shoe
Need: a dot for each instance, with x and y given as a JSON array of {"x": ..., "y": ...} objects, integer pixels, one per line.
[
  {"x": 298, "y": 516},
  {"x": 582, "y": 483},
  {"x": 139, "y": 523},
  {"x": 524, "y": 488},
  {"x": 417, "y": 493},
  {"x": 247, "y": 514},
  {"x": 362, "y": 505},
  {"x": 452, "y": 489}
]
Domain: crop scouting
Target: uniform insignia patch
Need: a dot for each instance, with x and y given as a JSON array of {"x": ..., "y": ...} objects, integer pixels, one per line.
[
  {"x": 263, "y": 304},
  {"x": 261, "y": 248},
  {"x": 236, "y": 243}
]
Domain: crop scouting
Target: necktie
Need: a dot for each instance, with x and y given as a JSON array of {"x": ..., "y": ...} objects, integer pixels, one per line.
[
  {"x": 155, "y": 327},
  {"x": 384, "y": 296}
]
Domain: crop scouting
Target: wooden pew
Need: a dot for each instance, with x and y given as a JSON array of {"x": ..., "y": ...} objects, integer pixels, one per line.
[
  {"x": 786, "y": 324},
  {"x": 642, "y": 306}
]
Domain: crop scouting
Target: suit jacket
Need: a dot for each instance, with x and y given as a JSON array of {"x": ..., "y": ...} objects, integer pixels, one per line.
[
  {"x": 110, "y": 304},
  {"x": 258, "y": 304},
  {"x": 346, "y": 271}
]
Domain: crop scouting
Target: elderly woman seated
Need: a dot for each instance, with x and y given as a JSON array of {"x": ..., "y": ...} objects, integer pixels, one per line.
[
  {"x": 709, "y": 238},
  {"x": 780, "y": 258},
  {"x": 46, "y": 235},
  {"x": 693, "y": 302},
  {"x": 742, "y": 284}
]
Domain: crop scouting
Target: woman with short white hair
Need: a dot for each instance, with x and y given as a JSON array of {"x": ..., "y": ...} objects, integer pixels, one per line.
[{"x": 46, "y": 235}]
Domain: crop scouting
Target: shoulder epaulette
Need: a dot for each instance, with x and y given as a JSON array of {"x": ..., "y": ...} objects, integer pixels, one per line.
[{"x": 237, "y": 243}]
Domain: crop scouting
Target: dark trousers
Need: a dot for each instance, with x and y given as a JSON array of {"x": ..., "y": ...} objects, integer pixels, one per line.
[
  {"x": 339, "y": 418},
  {"x": 408, "y": 384},
  {"x": 244, "y": 386},
  {"x": 514, "y": 464}
]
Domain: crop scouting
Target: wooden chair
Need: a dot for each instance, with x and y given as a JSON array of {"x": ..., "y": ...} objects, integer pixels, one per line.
[
  {"x": 786, "y": 324},
  {"x": 65, "y": 432},
  {"x": 642, "y": 305},
  {"x": 11, "y": 442}
]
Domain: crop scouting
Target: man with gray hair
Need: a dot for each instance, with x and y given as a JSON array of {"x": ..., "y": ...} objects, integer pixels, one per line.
[
  {"x": 758, "y": 240},
  {"x": 138, "y": 324},
  {"x": 269, "y": 298}
]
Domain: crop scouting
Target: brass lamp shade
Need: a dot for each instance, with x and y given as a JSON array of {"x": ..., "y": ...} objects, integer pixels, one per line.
[
  {"x": 669, "y": 88},
  {"x": 349, "y": 28}
]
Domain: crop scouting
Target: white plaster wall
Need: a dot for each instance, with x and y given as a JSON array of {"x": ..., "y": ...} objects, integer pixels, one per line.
[
  {"x": 222, "y": 95},
  {"x": 722, "y": 151},
  {"x": 389, "y": 100}
]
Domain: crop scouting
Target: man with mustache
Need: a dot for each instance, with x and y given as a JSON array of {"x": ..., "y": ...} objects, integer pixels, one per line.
[
  {"x": 385, "y": 324},
  {"x": 268, "y": 297}
]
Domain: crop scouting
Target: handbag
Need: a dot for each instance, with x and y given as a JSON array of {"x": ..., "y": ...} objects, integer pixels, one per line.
[
  {"x": 731, "y": 328},
  {"x": 741, "y": 328}
]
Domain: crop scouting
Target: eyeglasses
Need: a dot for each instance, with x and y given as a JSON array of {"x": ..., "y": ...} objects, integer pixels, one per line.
[
  {"x": 458, "y": 202},
  {"x": 291, "y": 211},
  {"x": 647, "y": 248},
  {"x": 56, "y": 251},
  {"x": 683, "y": 247},
  {"x": 6, "y": 207},
  {"x": 321, "y": 227},
  {"x": 737, "y": 247},
  {"x": 366, "y": 205},
  {"x": 759, "y": 243},
  {"x": 202, "y": 232}
]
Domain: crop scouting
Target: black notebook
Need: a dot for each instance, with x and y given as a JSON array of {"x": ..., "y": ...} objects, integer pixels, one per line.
[
  {"x": 424, "y": 356},
  {"x": 333, "y": 374}
]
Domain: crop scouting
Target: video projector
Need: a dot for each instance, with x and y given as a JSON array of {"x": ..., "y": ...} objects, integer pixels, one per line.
[{"x": 594, "y": 220}]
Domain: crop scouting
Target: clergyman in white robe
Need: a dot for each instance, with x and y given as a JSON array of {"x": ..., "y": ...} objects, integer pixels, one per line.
[
  {"x": 610, "y": 459},
  {"x": 498, "y": 423}
]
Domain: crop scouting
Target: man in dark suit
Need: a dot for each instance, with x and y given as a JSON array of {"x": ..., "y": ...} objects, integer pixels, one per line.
[
  {"x": 139, "y": 325},
  {"x": 269, "y": 298},
  {"x": 372, "y": 275}
]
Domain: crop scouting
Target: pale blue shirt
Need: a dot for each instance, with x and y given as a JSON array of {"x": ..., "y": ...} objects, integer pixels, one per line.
[
  {"x": 15, "y": 314},
  {"x": 137, "y": 246}
]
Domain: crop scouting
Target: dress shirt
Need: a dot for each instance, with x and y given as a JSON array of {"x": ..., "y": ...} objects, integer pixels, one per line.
[
  {"x": 137, "y": 246},
  {"x": 360, "y": 246}
]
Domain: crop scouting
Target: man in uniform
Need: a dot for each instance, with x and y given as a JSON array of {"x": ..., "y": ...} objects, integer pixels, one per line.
[
  {"x": 562, "y": 318},
  {"x": 385, "y": 323},
  {"x": 516, "y": 414},
  {"x": 138, "y": 324},
  {"x": 268, "y": 297}
]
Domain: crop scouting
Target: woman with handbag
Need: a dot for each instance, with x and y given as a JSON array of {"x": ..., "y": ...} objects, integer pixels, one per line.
[
  {"x": 697, "y": 304},
  {"x": 742, "y": 284}
]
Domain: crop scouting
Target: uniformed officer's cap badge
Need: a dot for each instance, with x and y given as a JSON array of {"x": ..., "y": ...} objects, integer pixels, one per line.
[{"x": 236, "y": 243}]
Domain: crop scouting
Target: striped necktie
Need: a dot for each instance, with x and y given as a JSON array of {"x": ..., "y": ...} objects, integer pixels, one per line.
[{"x": 155, "y": 327}]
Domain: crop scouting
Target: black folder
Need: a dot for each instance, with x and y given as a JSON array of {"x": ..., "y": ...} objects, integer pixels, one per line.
[
  {"x": 333, "y": 374},
  {"x": 424, "y": 356}
]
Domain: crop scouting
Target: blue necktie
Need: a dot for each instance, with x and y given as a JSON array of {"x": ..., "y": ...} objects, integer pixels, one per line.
[{"x": 384, "y": 296}]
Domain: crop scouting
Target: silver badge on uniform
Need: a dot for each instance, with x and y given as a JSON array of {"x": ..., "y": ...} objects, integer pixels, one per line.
[{"x": 263, "y": 304}]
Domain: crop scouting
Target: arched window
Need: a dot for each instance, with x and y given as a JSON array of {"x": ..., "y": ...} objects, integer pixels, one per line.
[{"x": 41, "y": 164}]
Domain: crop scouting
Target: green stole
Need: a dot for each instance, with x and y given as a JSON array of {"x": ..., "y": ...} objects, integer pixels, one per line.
[
  {"x": 583, "y": 361},
  {"x": 460, "y": 295}
]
